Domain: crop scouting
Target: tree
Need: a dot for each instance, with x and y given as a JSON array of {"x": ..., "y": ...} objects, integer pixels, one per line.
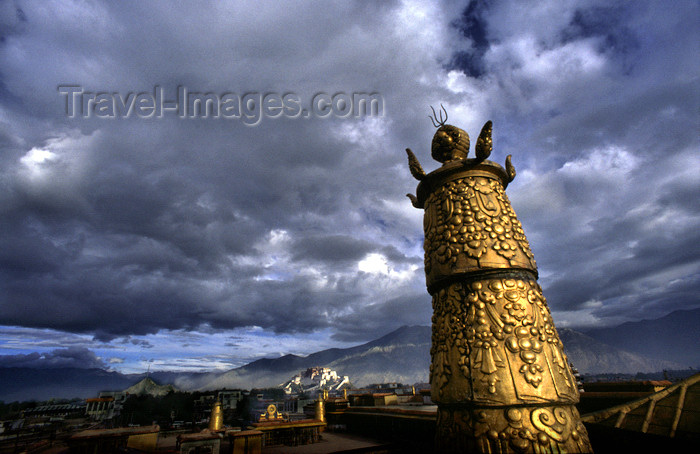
[{"x": 145, "y": 409}]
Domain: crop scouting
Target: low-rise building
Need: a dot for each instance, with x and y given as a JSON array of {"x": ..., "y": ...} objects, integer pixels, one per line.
[
  {"x": 202, "y": 407},
  {"x": 56, "y": 410},
  {"x": 107, "y": 406},
  {"x": 229, "y": 399}
]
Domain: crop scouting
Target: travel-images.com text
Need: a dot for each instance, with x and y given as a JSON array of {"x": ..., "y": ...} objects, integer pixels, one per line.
[{"x": 250, "y": 108}]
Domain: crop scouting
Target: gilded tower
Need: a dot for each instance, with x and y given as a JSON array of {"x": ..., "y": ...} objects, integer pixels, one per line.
[{"x": 498, "y": 372}]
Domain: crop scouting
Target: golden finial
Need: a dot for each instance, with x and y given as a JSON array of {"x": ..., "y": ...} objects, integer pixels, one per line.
[
  {"x": 414, "y": 166},
  {"x": 414, "y": 200},
  {"x": 484, "y": 144},
  {"x": 437, "y": 123},
  {"x": 216, "y": 420},
  {"x": 450, "y": 143},
  {"x": 510, "y": 169},
  {"x": 320, "y": 411}
]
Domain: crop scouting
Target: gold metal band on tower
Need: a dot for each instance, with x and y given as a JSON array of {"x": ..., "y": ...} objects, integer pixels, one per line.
[{"x": 498, "y": 370}]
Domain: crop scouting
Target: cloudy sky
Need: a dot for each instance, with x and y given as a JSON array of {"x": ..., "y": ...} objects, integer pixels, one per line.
[{"x": 129, "y": 238}]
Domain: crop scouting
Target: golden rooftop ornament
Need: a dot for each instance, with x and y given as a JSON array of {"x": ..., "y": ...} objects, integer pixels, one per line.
[
  {"x": 319, "y": 408},
  {"x": 498, "y": 371},
  {"x": 216, "y": 420}
]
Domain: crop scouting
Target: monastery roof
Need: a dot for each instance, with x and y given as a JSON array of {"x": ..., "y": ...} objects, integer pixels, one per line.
[
  {"x": 626, "y": 386},
  {"x": 118, "y": 432},
  {"x": 671, "y": 412},
  {"x": 56, "y": 408},
  {"x": 100, "y": 399},
  {"x": 199, "y": 436}
]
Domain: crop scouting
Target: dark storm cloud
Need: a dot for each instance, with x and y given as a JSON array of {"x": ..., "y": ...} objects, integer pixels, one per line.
[
  {"x": 473, "y": 26},
  {"x": 609, "y": 22},
  {"x": 615, "y": 237},
  {"x": 331, "y": 248},
  {"x": 126, "y": 227},
  {"x": 341, "y": 248},
  {"x": 377, "y": 319},
  {"x": 138, "y": 342},
  {"x": 79, "y": 357}
]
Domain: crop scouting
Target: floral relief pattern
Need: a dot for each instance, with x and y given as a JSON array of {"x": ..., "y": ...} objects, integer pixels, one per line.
[
  {"x": 470, "y": 220},
  {"x": 512, "y": 430},
  {"x": 448, "y": 330},
  {"x": 499, "y": 327}
]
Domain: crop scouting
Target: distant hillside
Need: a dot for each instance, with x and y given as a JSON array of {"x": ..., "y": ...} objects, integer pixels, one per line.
[
  {"x": 675, "y": 337},
  {"x": 22, "y": 383},
  {"x": 590, "y": 356},
  {"x": 402, "y": 355}
]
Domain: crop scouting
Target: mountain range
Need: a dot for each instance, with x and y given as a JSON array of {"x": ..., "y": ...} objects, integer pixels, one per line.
[
  {"x": 400, "y": 356},
  {"x": 675, "y": 337}
]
